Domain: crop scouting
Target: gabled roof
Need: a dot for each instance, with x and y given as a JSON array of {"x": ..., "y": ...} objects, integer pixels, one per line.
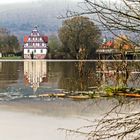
[{"x": 35, "y": 33}]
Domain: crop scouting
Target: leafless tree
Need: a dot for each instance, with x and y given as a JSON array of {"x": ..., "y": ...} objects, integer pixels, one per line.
[
  {"x": 123, "y": 16},
  {"x": 114, "y": 16},
  {"x": 114, "y": 125},
  {"x": 120, "y": 15}
]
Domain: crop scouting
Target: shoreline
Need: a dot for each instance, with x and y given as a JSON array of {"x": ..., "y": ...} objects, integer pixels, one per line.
[{"x": 69, "y": 60}]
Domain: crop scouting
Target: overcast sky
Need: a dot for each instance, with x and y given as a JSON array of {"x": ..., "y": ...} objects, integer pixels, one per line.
[
  {"x": 21, "y": 1},
  {"x": 15, "y": 1}
]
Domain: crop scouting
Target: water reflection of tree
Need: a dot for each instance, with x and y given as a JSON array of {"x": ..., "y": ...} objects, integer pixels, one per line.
[
  {"x": 9, "y": 73},
  {"x": 78, "y": 76},
  {"x": 120, "y": 73},
  {"x": 117, "y": 123}
]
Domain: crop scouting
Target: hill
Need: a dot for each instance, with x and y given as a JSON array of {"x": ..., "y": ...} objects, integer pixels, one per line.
[{"x": 20, "y": 18}]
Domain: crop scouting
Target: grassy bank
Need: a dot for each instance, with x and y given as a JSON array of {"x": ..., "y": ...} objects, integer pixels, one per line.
[{"x": 11, "y": 57}]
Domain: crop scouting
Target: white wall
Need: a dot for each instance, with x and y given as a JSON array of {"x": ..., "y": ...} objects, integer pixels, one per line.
[{"x": 38, "y": 51}]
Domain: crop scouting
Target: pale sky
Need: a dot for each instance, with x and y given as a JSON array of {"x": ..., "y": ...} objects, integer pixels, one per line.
[
  {"x": 14, "y": 1},
  {"x": 21, "y": 1}
]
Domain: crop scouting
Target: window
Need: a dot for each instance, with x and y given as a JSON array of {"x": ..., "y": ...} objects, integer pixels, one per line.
[
  {"x": 26, "y": 45},
  {"x": 41, "y": 51}
]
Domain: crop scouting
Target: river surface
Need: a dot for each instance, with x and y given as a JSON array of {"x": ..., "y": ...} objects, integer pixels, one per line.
[{"x": 26, "y": 116}]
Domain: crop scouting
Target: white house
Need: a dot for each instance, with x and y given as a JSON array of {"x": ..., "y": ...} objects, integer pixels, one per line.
[{"x": 35, "y": 45}]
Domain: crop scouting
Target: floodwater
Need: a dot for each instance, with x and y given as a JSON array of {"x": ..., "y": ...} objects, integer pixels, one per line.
[{"x": 25, "y": 115}]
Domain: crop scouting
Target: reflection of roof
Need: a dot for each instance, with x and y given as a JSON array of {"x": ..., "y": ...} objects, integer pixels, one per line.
[
  {"x": 34, "y": 85},
  {"x": 44, "y": 79},
  {"x": 26, "y": 80}
]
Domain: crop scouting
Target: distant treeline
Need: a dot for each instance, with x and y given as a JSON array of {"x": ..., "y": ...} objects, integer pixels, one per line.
[{"x": 9, "y": 44}]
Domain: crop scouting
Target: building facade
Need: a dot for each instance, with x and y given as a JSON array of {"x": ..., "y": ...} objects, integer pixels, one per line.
[
  {"x": 117, "y": 48},
  {"x": 35, "y": 45}
]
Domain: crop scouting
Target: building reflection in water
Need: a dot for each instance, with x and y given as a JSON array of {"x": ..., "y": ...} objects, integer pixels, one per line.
[
  {"x": 35, "y": 73},
  {"x": 0, "y": 66}
]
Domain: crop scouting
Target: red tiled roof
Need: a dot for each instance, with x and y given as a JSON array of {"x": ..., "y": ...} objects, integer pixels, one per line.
[
  {"x": 108, "y": 44},
  {"x": 25, "y": 38},
  {"x": 45, "y": 38}
]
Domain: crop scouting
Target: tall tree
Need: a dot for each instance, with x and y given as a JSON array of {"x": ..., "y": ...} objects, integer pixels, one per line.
[
  {"x": 80, "y": 37},
  {"x": 54, "y": 47},
  {"x": 114, "y": 16},
  {"x": 8, "y": 43}
]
